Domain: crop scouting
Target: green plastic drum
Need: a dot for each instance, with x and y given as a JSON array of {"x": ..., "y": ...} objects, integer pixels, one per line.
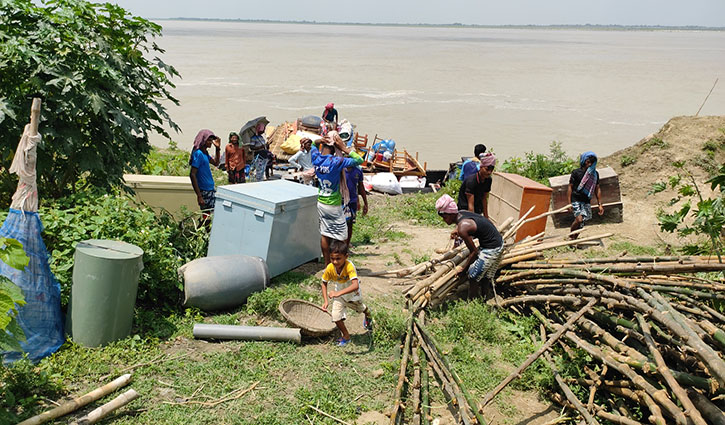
[{"x": 103, "y": 296}]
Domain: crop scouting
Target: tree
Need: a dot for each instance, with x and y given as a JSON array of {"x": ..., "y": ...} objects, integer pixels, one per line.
[{"x": 103, "y": 88}]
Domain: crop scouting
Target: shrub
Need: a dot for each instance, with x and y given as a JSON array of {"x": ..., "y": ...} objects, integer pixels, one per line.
[
  {"x": 166, "y": 245},
  {"x": 539, "y": 166},
  {"x": 21, "y": 388},
  {"x": 655, "y": 142}
]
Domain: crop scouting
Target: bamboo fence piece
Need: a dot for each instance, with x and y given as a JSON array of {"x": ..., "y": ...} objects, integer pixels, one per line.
[
  {"x": 103, "y": 411},
  {"x": 401, "y": 374},
  {"x": 517, "y": 373},
  {"x": 565, "y": 388},
  {"x": 664, "y": 371},
  {"x": 79, "y": 402},
  {"x": 439, "y": 353}
]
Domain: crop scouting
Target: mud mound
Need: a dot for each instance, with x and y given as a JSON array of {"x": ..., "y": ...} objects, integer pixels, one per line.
[{"x": 699, "y": 142}]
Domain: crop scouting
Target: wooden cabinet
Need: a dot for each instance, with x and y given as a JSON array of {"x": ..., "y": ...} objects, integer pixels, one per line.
[{"x": 512, "y": 195}]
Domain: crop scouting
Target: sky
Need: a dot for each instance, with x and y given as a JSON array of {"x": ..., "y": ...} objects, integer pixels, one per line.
[{"x": 483, "y": 12}]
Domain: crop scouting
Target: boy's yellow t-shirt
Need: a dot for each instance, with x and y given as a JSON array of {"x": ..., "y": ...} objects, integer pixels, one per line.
[{"x": 342, "y": 280}]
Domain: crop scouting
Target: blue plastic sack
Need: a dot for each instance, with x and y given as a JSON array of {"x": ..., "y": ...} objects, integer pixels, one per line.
[{"x": 40, "y": 318}]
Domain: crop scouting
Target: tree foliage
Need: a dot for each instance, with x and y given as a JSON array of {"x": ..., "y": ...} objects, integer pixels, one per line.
[
  {"x": 706, "y": 218},
  {"x": 11, "y": 296},
  {"x": 103, "y": 88}
]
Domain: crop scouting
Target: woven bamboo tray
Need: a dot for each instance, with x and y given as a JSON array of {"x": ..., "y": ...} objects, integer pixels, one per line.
[{"x": 310, "y": 318}]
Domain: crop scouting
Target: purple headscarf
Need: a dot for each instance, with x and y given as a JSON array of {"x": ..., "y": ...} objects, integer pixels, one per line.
[{"x": 200, "y": 141}]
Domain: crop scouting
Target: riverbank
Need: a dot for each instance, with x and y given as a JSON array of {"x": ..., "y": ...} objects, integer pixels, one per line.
[{"x": 176, "y": 374}]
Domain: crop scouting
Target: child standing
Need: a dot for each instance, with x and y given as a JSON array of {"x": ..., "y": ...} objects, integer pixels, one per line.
[{"x": 341, "y": 272}]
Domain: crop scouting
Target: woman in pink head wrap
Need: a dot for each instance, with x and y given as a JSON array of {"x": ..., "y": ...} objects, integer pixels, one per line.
[
  {"x": 484, "y": 259},
  {"x": 330, "y": 113},
  {"x": 200, "y": 174}
]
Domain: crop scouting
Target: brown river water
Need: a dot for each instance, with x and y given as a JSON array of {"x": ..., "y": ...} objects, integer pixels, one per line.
[{"x": 439, "y": 91}]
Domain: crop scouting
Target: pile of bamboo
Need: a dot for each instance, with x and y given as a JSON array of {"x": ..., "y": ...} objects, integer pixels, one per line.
[
  {"x": 427, "y": 359},
  {"x": 652, "y": 329},
  {"x": 432, "y": 282}
]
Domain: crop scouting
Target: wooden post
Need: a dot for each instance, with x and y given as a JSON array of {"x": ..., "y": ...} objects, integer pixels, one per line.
[{"x": 34, "y": 116}]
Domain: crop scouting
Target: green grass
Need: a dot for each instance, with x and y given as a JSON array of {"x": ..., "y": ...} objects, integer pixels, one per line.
[
  {"x": 655, "y": 143},
  {"x": 627, "y": 160}
]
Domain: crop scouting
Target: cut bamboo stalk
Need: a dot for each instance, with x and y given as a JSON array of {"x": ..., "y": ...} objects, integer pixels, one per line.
[
  {"x": 664, "y": 371},
  {"x": 424, "y": 389},
  {"x": 659, "y": 395},
  {"x": 401, "y": 373},
  {"x": 644, "y": 399},
  {"x": 707, "y": 408},
  {"x": 416, "y": 384},
  {"x": 79, "y": 402},
  {"x": 439, "y": 354},
  {"x": 515, "y": 259},
  {"x": 613, "y": 417},
  {"x": 568, "y": 393},
  {"x": 517, "y": 373},
  {"x": 714, "y": 363},
  {"x": 103, "y": 411},
  {"x": 517, "y": 225},
  {"x": 543, "y": 247}
]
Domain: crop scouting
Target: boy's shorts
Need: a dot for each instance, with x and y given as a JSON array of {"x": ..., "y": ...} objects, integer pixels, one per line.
[
  {"x": 582, "y": 209},
  {"x": 339, "y": 307},
  {"x": 209, "y": 198},
  {"x": 486, "y": 264},
  {"x": 351, "y": 211}
]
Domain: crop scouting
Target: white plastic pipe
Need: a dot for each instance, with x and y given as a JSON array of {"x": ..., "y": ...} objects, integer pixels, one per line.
[{"x": 248, "y": 333}]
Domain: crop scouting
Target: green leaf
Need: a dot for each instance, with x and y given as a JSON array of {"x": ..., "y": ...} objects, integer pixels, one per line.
[
  {"x": 6, "y": 305},
  {"x": 12, "y": 254}
]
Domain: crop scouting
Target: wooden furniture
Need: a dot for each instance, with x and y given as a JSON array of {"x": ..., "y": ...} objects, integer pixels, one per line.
[
  {"x": 513, "y": 195},
  {"x": 611, "y": 197}
]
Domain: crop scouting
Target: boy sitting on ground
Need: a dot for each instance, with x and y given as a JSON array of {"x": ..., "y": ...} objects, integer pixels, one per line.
[{"x": 341, "y": 272}]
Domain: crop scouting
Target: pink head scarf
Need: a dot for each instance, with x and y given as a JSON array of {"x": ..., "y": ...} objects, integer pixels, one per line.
[
  {"x": 200, "y": 141},
  {"x": 446, "y": 205},
  {"x": 488, "y": 159},
  {"x": 330, "y": 105}
]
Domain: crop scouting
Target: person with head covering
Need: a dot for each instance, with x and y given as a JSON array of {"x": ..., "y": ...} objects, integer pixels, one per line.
[
  {"x": 263, "y": 158},
  {"x": 471, "y": 166},
  {"x": 235, "y": 159},
  {"x": 200, "y": 174},
  {"x": 473, "y": 195},
  {"x": 483, "y": 261},
  {"x": 330, "y": 114},
  {"x": 328, "y": 169},
  {"x": 583, "y": 183}
]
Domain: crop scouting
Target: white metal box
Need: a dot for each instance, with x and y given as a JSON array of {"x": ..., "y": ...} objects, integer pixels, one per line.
[{"x": 275, "y": 220}]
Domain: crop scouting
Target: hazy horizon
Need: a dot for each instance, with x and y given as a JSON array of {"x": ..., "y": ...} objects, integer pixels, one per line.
[{"x": 705, "y": 13}]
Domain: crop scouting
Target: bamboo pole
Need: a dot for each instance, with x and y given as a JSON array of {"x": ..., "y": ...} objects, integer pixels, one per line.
[
  {"x": 517, "y": 373},
  {"x": 437, "y": 351},
  {"x": 664, "y": 371},
  {"x": 517, "y": 225},
  {"x": 568, "y": 393},
  {"x": 401, "y": 373},
  {"x": 643, "y": 399},
  {"x": 416, "y": 384},
  {"x": 708, "y": 409},
  {"x": 704, "y": 352},
  {"x": 79, "y": 402},
  {"x": 34, "y": 117},
  {"x": 543, "y": 247},
  {"x": 659, "y": 395},
  {"x": 103, "y": 411}
]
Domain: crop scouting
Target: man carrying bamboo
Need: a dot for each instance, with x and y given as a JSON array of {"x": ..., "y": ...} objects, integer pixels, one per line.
[{"x": 484, "y": 260}]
